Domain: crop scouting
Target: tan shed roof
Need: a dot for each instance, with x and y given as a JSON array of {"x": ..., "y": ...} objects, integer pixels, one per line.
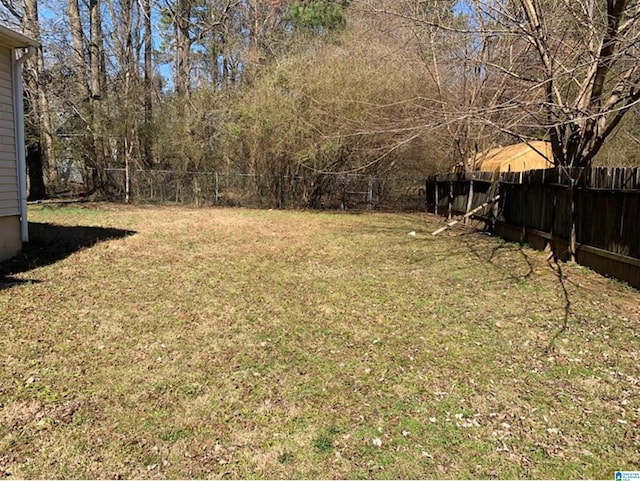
[{"x": 516, "y": 158}]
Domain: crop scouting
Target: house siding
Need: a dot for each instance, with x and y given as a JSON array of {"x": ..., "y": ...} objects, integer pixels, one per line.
[
  {"x": 9, "y": 197},
  {"x": 10, "y": 241}
]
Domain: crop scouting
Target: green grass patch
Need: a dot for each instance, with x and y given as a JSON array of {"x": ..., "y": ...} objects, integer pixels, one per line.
[{"x": 165, "y": 342}]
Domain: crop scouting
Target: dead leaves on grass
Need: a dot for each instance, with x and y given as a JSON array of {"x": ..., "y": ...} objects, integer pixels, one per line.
[
  {"x": 256, "y": 328},
  {"x": 22, "y": 414}
]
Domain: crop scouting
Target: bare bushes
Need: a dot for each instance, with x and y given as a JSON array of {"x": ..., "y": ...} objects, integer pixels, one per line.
[{"x": 347, "y": 106}]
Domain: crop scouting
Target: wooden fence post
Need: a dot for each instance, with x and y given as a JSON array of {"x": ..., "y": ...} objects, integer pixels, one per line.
[
  {"x": 217, "y": 193},
  {"x": 572, "y": 217},
  {"x": 450, "y": 214},
  {"x": 426, "y": 195},
  {"x": 524, "y": 187},
  {"x": 127, "y": 181}
]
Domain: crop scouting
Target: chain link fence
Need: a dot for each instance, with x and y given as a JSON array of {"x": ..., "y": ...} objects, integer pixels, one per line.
[{"x": 320, "y": 191}]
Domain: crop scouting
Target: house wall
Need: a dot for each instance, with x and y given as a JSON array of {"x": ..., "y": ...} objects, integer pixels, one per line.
[
  {"x": 9, "y": 199},
  {"x": 10, "y": 242}
]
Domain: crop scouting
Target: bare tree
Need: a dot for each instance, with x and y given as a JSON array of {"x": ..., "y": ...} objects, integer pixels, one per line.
[
  {"x": 10, "y": 12},
  {"x": 568, "y": 70},
  {"x": 590, "y": 70},
  {"x": 40, "y": 152}
]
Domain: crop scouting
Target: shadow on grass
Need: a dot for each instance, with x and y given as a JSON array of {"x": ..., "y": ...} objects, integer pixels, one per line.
[
  {"x": 50, "y": 243},
  {"x": 553, "y": 264}
]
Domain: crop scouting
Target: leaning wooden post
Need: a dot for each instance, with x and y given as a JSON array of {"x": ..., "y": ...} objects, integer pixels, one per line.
[
  {"x": 469, "y": 201},
  {"x": 467, "y": 215}
]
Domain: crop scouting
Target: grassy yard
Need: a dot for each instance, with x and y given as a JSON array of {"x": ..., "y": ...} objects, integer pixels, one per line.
[{"x": 162, "y": 342}]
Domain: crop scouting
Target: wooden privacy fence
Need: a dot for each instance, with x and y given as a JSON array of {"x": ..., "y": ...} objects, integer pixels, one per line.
[{"x": 535, "y": 207}]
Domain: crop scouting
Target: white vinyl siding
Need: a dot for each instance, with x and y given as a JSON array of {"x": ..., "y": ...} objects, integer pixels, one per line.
[{"x": 9, "y": 201}]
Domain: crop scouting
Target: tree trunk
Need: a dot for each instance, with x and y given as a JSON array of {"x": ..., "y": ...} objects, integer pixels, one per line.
[
  {"x": 96, "y": 56},
  {"x": 37, "y": 189},
  {"x": 147, "y": 139},
  {"x": 77, "y": 40},
  {"x": 37, "y": 105},
  {"x": 182, "y": 68},
  {"x": 254, "y": 33}
]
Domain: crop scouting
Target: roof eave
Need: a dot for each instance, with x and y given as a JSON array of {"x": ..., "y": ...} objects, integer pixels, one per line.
[{"x": 11, "y": 38}]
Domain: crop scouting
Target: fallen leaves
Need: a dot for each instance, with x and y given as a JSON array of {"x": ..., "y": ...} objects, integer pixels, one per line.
[{"x": 337, "y": 324}]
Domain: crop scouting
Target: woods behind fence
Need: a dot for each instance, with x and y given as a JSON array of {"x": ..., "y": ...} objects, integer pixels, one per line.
[
  {"x": 314, "y": 190},
  {"x": 535, "y": 207}
]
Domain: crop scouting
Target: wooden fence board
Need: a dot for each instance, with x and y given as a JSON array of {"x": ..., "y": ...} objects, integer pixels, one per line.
[{"x": 536, "y": 205}]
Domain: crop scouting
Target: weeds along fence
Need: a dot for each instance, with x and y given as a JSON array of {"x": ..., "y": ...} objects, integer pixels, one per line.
[
  {"x": 535, "y": 207},
  {"x": 321, "y": 191}
]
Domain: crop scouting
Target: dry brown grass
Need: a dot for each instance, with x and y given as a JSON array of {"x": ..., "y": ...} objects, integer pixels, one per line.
[{"x": 161, "y": 342}]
